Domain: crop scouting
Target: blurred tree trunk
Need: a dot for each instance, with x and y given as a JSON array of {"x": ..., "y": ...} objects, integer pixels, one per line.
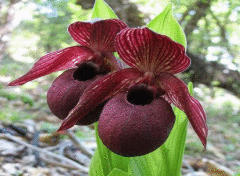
[
  {"x": 200, "y": 9},
  {"x": 213, "y": 74},
  {"x": 203, "y": 71},
  {"x": 7, "y": 12}
]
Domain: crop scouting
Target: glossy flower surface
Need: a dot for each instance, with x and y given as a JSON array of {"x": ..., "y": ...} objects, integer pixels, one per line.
[
  {"x": 154, "y": 59},
  {"x": 87, "y": 62}
]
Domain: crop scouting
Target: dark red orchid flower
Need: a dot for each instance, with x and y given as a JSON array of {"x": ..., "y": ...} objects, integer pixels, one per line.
[
  {"x": 87, "y": 62},
  {"x": 139, "y": 118}
]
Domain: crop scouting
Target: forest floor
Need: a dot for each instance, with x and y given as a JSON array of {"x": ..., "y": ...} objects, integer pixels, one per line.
[{"x": 20, "y": 107}]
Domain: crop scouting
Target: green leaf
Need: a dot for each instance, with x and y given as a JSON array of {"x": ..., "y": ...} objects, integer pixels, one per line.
[
  {"x": 166, "y": 24},
  {"x": 118, "y": 172},
  {"x": 190, "y": 88},
  {"x": 119, "y": 162},
  {"x": 13, "y": 96},
  {"x": 27, "y": 100},
  {"x": 104, "y": 154},
  {"x": 102, "y": 10},
  {"x": 140, "y": 166},
  {"x": 109, "y": 160},
  {"x": 96, "y": 165}
]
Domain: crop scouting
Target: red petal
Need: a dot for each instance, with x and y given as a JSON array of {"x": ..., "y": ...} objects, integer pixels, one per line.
[
  {"x": 99, "y": 35},
  {"x": 81, "y": 32},
  {"x": 177, "y": 93},
  {"x": 102, "y": 90},
  {"x": 55, "y": 61},
  {"x": 148, "y": 51}
]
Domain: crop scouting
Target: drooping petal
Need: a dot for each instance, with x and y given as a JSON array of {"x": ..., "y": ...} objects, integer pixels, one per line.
[
  {"x": 99, "y": 35},
  {"x": 102, "y": 90},
  {"x": 177, "y": 92},
  {"x": 148, "y": 51},
  {"x": 55, "y": 61}
]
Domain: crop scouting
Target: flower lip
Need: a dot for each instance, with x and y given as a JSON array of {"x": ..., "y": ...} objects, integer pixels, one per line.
[
  {"x": 64, "y": 94},
  {"x": 102, "y": 90},
  {"x": 130, "y": 130},
  {"x": 140, "y": 94},
  {"x": 86, "y": 71}
]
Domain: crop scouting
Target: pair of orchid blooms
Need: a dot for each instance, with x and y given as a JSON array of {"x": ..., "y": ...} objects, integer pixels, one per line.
[{"x": 131, "y": 98}]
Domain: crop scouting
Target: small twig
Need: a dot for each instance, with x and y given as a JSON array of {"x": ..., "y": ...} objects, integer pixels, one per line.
[
  {"x": 189, "y": 167},
  {"x": 52, "y": 147},
  {"x": 35, "y": 142},
  {"x": 73, "y": 163},
  {"x": 53, "y": 162},
  {"x": 78, "y": 144},
  {"x": 56, "y": 146},
  {"x": 19, "y": 130}
]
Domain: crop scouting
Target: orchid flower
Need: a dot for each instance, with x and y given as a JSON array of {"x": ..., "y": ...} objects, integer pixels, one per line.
[
  {"x": 86, "y": 63},
  {"x": 138, "y": 117}
]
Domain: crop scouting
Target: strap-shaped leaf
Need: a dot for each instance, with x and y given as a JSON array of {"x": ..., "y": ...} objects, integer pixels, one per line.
[
  {"x": 118, "y": 172},
  {"x": 166, "y": 24},
  {"x": 105, "y": 161},
  {"x": 102, "y": 10}
]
